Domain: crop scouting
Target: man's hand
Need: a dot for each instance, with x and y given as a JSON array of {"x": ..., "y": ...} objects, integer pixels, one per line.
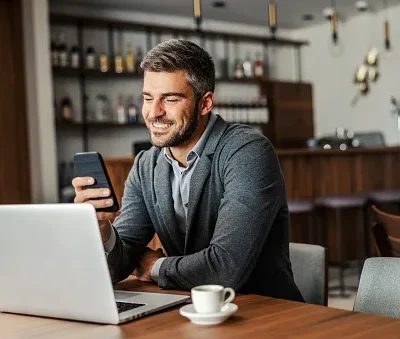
[
  {"x": 148, "y": 259},
  {"x": 86, "y": 195}
]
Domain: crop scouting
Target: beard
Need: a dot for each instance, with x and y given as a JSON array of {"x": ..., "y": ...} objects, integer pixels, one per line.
[{"x": 178, "y": 137}]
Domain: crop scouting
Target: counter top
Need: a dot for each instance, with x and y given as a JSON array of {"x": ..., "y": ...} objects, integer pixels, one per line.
[{"x": 302, "y": 151}]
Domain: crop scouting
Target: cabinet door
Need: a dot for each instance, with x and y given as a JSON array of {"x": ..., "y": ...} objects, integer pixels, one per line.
[
  {"x": 15, "y": 180},
  {"x": 291, "y": 113}
]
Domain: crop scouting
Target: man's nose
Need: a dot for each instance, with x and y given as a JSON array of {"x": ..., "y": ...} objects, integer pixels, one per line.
[{"x": 156, "y": 109}]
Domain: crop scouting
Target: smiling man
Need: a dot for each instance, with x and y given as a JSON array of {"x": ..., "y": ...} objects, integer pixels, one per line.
[{"x": 213, "y": 192}]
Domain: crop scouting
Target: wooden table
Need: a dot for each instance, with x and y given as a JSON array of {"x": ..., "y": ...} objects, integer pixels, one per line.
[{"x": 257, "y": 317}]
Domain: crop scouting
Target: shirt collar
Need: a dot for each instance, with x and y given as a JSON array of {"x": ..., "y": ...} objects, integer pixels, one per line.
[{"x": 197, "y": 150}]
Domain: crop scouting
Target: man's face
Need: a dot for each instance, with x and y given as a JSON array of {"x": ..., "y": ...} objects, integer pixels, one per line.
[{"x": 169, "y": 108}]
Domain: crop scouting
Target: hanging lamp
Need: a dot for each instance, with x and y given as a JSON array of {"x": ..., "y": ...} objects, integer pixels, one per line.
[
  {"x": 387, "y": 26},
  {"x": 272, "y": 19},
  {"x": 334, "y": 23},
  {"x": 197, "y": 13}
]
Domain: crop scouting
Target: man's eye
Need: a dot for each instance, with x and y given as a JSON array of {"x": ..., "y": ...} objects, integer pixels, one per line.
[
  {"x": 172, "y": 100},
  {"x": 148, "y": 99}
]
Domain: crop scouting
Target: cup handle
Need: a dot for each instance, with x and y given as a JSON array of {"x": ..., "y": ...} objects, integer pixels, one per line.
[{"x": 230, "y": 291}]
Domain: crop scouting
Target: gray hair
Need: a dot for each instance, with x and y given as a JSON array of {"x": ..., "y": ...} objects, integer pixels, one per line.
[{"x": 176, "y": 55}]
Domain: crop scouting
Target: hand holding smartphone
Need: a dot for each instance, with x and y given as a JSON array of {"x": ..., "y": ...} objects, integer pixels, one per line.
[{"x": 91, "y": 164}]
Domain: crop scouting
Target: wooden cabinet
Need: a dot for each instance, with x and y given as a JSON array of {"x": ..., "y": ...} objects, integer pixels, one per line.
[
  {"x": 15, "y": 183},
  {"x": 291, "y": 121}
]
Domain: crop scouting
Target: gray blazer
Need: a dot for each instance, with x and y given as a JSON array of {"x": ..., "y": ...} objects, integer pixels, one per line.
[{"x": 237, "y": 231}]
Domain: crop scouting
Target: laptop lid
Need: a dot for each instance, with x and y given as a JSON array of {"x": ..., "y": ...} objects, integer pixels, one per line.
[{"x": 52, "y": 263}]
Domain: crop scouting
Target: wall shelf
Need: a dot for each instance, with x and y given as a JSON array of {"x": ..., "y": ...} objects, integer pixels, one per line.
[
  {"x": 96, "y": 73},
  {"x": 104, "y": 124},
  {"x": 61, "y": 19}
]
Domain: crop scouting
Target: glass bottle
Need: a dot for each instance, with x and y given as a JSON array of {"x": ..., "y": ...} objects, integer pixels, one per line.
[
  {"x": 258, "y": 66},
  {"x": 248, "y": 67},
  {"x": 54, "y": 50},
  {"x": 66, "y": 108},
  {"x": 121, "y": 114},
  {"x": 133, "y": 110},
  {"x": 139, "y": 58},
  {"x": 104, "y": 67},
  {"x": 75, "y": 57},
  {"x": 62, "y": 51},
  {"x": 119, "y": 67},
  {"x": 239, "y": 72},
  {"x": 130, "y": 59},
  {"x": 90, "y": 57}
]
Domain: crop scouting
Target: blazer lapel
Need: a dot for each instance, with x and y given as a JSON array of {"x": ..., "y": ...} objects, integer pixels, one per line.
[
  {"x": 165, "y": 204},
  {"x": 201, "y": 173}
]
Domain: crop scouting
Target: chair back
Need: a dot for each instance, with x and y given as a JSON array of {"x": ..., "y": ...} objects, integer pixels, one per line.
[
  {"x": 386, "y": 232},
  {"x": 310, "y": 272},
  {"x": 381, "y": 240},
  {"x": 379, "y": 289}
]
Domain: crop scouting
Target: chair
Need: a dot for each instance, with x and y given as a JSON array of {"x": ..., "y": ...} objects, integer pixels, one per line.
[
  {"x": 386, "y": 233},
  {"x": 379, "y": 289},
  {"x": 381, "y": 240},
  {"x": 310, "y": 272}
]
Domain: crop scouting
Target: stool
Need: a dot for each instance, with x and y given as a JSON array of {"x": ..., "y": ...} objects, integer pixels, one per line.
[
  {"x": 338, "y": 203},
  {"x": 384, "y": 197},
  {"x": 304, "y": 206}
]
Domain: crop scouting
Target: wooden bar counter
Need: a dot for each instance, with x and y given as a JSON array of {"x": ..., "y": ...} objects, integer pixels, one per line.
[{"x": 315, "y": 173}]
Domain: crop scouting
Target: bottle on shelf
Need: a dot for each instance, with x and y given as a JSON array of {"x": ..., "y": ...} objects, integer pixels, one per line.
[
  {"x": 130, "y": 59},
  {"x": 258, "y": 66},
  {"x": 133, "y": 110},
  {"x": 139, "y": 58},
  {"x": 90, "y": 57},
  {"x": 101, "y": 108},
  {"x": 239, "y": 72},
  {"x": 62, "y": 51},
  {"x": 54, "y": 50},
  {"x": 66, "y": 108},
  {"x": 104, "y": 66},
  {"x": 121, "y": 114},
  {"x": 223, "y": 68},
  {"x": 119, "y": 64},
  {"x": 248, "y": 67},
  {"x": 75, "y": 56}
]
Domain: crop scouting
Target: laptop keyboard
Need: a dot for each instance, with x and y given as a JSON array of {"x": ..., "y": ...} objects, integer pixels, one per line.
[{"x": 122, "y": 307}]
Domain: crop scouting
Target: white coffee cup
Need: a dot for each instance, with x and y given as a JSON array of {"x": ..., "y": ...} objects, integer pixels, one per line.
[{"x": 211, "y": 298}]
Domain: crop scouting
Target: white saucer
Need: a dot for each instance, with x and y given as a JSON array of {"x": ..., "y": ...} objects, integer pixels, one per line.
[{"x": 189, "y": 312}]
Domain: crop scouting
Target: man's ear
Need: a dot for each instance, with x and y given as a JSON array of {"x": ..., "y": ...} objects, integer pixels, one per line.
[{"x": 206, "y": 103}]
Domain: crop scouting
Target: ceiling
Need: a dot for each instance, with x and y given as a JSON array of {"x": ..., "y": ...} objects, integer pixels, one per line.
[{"x": 253, "y": 12}]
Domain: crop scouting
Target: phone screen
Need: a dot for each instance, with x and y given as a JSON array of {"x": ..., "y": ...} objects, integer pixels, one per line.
[{"x": 91, "y": 164}]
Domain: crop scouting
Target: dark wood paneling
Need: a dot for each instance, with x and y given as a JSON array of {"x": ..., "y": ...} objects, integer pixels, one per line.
[
  {"x": 291, "y": 117},
  {"x": 14, "y": 155}
]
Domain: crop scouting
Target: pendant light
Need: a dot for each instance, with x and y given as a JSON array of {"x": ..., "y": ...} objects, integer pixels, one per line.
[
  {"x": 334, "y": 23},
  {"x": 197, "y": 13},
  {"x": 272, "y": 21},
  {"x": 387, "y": 26}
]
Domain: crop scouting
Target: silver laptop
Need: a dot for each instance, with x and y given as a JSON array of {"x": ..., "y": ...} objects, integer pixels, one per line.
[{"x": 52, "y": 264}]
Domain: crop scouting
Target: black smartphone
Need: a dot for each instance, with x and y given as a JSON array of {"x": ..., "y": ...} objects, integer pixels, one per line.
[{"x": 91, "y": 164}]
